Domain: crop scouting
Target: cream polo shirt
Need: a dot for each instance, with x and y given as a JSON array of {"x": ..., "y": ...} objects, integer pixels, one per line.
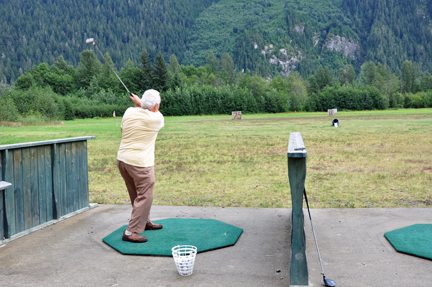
[{"x": 140, "y": 128}]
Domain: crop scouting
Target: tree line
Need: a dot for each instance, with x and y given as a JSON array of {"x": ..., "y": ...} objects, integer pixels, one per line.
[{"x": 61, "y": 91}]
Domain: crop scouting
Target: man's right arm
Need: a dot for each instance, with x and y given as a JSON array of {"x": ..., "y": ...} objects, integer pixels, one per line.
[{"x": 136, "y": 100}]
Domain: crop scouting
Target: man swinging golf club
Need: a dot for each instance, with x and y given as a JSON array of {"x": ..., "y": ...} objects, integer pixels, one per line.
[{"x": 135, "y": 160}]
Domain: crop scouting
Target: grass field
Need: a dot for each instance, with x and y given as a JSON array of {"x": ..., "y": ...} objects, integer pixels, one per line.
[{"x": 374, "y": 159}]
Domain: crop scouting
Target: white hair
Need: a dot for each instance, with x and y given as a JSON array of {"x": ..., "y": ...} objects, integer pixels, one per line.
[{"x": 150, "y": 98}]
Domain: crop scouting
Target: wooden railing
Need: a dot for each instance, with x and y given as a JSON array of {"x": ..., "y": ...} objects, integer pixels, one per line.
[
  {"x": 43, "y": 181},
  {"x": 297, "y": 176}
]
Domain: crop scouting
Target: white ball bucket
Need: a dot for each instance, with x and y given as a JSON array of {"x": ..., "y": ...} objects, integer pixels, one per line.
[{"x": 184, "y": 258}]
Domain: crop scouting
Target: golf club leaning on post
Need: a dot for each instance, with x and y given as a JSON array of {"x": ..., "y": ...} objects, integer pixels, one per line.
[
  {"x": 327, "y": 282},
  {"x": 91, "y": 41}
]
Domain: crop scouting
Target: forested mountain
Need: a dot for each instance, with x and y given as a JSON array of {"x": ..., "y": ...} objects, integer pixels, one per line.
[
  {"x": 35, "y": 31},
  {"x": 391, "y": 32},
  {"x": 269, "y": 37}
]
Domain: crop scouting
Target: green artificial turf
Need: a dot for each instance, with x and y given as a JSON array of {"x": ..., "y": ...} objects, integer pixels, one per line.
[
  {"x": 205, "y": 234},
  {"x": 414, "y": 239}
]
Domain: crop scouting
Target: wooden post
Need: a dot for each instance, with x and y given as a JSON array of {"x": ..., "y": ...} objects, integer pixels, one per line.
[
  {"x": 236, "y": 115},
  {"x": 297, "y": 176}
]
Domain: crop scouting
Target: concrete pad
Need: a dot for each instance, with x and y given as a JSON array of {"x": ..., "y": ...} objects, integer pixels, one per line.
[
  {"x": 71, "y": 252},
  {"x": 351, "y": 241},
  {"x": 356, "y": 253}
]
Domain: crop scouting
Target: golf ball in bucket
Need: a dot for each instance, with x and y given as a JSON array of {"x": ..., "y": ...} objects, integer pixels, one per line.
[{"x": 184, "y": 258}]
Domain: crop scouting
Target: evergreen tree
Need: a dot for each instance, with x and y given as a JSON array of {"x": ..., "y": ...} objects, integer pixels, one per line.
[
  {"x": 131, "y": 77},
  {"x": 297, "y": 92},
  {"x": 212, "y": 62},
  {"x": 313, "y": 87},
  {"x": 147, "y": 74},
  {"x": 406, "y": 79},
  {"x": 161, "y": 77},
  {"x": 426, "y": 81},
  {"x": 107, "y": 79},
  {"x": 342, "y": 77},
  {"x": 174, "y": 74},
  {"x": 370, "y": 73},
  {"x": 174, "y": 66},
  {"x": 175, "y": 81},
  {"x": 323, "y": 77},
  {"x": 61, "y": 64},
  {"x": 88, "y": 68},
  {"x": 227, "y": 68},
  {"x": 350, "y": 74}
]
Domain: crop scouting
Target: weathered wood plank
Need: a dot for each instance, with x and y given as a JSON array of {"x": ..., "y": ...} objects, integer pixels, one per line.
[
  {"x": 65, "y": 176},
  {"x": 49, "y": 142},
  {"x": 27, "y": 188},
  {"x": 84, "y": 173},
  {"x": 35, "y": 212},
  {"x": 3, "y": 185},
  {"x": 78, "y": 174},
  {"x": 2, "y": 164},
  {"x": 4, "y": 225},
  {"x": 70, "y": 182},
  {"x": 61, "y": 150},
  {"x": 74, "y": 178},
  {"x": 2, "y": 216},
  {"x": 18, "y": 190},
  {"x": 41, "y": 188},
  {"x": 81, "y": 184},
  {"x": 56, "y": 181},
  {"x": 10, "y": 198},
  {"x": 48, "y": 183}
]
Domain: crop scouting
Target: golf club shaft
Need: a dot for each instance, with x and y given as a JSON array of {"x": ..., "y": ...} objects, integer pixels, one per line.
[
  {"x": 313, "y": 231},
  {"x": 113, "y": 70}
]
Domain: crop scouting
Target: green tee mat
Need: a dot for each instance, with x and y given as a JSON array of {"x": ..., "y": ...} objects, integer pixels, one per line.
[
  {"x": 414, "y": 239},
  {"x": 205, "y": 234}
]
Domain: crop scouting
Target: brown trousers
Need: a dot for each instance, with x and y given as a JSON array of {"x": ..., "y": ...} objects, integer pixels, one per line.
[{"x": 140, "y": 183}]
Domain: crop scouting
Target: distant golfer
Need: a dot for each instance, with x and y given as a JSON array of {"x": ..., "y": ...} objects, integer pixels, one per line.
[{"x": 135, "y": 160}]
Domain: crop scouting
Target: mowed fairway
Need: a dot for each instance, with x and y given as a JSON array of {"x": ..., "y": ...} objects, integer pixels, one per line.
[{"x": 373, "y": 159}]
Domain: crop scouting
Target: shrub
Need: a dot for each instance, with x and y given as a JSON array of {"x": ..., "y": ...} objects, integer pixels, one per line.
[
  {"x": 348, "y": 98},
  {"x": 68, "y": 112},
  {"x": 42, "y": 100},
  {"x": 8, "y": 110},
  {"x": 34, "y": 118}
]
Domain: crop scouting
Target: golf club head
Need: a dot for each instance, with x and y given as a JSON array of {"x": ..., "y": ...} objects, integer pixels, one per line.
[
  {"x": 329, "y": 282},
  {"x": 90, "y": 41}
]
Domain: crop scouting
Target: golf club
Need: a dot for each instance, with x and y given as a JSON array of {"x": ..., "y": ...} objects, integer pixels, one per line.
[
  {"x": 91, "y": 41},
  {"x": 327, "y": 282}
]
